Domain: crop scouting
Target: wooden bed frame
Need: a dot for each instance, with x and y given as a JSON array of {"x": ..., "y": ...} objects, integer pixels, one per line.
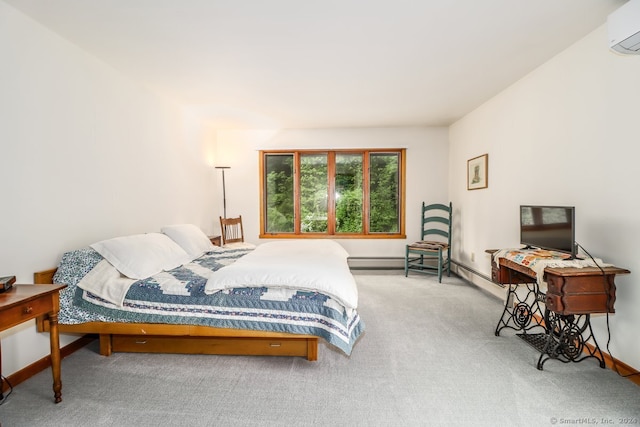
[{"x": 185, "y": 339}]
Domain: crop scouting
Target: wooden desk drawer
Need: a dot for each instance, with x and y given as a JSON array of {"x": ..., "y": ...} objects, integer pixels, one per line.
[
  {"x": 580, "y": 285},
  {"x": 504, "y": 276},
  {"x": 580, "y": 294},
  {"x": 579, "y": 303},
  {"x": 27, "y": 310}
]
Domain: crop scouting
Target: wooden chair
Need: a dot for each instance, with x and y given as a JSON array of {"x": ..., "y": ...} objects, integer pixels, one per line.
[
  {"x": 431, "y": 256},
  {"x": 232, "y": 231}
]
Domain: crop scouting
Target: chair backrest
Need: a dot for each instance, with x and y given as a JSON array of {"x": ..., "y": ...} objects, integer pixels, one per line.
[
  {"x": 232, "y": 231},
  {"x": 436, "y": 220}
]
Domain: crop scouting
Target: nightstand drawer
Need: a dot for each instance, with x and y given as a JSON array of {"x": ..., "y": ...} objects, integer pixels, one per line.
[{"x": 27, "y": 310}]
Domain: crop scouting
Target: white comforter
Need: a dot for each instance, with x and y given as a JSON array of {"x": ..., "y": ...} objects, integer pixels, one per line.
[{"x": 314, "y": 265}]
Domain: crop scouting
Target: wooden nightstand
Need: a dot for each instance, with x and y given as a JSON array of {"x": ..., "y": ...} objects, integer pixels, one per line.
[
  {"x": 26, "y": 302},
  {"x": 216, "y": 240}
]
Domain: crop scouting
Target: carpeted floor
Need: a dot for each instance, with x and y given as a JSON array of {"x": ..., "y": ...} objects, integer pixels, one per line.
[{"x": 429, "y": 357}]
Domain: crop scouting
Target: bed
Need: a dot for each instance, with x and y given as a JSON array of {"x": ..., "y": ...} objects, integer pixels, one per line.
[{"x": 279, "y": 298}]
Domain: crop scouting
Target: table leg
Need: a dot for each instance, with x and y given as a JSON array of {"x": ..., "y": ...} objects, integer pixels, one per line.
[
  {"x": 1, "y": 380},
  {"x": 54, "y": 338}
]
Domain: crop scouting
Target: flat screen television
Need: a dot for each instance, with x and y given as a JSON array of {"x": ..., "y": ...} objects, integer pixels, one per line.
[{"x": 548, "y": 227}]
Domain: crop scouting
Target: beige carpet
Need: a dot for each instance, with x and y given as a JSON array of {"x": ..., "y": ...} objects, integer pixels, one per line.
[{"x": 428, "y": 358}]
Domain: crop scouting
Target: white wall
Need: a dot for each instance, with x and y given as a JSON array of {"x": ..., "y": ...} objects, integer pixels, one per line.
[
  {"x": 86, "y": 155},
  {"x": 427, "y": 171},
  {"x": 566, "y": 134}
]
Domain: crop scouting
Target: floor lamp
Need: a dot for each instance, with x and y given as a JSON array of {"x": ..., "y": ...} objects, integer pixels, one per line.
[{"x": 224, "y": 192}]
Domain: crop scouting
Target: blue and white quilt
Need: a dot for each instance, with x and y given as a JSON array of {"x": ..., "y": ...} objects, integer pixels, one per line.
[{"x": 178, "y": 297}]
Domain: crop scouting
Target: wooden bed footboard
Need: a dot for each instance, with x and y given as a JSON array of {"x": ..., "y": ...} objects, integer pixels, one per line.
[{"x": 185, "y": 339}]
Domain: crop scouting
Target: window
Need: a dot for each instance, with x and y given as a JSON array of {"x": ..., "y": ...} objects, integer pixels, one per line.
[{"x": 339, "y": 193}]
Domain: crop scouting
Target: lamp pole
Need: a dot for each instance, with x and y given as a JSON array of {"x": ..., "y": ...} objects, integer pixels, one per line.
[{"x": 224, "y": 192}]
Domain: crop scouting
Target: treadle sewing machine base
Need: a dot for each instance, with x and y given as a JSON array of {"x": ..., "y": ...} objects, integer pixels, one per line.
[
  {"x": 565, "y": 340},
  {"x": 560, "y": 338},
  {"x": 573, "y": 295}
]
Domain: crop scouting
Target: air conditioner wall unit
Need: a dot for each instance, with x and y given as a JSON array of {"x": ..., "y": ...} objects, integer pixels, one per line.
[{"x": 623, "y": 27}]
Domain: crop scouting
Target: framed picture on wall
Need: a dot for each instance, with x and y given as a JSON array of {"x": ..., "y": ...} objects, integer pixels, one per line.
[{"x": 477, "y": 172}]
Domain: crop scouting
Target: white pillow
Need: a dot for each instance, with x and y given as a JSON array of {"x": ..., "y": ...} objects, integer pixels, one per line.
[
  {"x": 190, "y": 238},
  {"x": 142, "y": 255}
]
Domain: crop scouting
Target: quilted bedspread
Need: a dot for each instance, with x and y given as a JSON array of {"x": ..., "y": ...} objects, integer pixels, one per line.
[{"x": 178, "y": 297}]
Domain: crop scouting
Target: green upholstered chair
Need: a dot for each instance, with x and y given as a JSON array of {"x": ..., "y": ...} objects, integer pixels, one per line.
[{"x": 432, "y": 254}]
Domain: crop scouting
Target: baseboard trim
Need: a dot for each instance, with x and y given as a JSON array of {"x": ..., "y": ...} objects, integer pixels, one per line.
[
  {"x": 617, "y": 366},
  {"x": 44, "y": 363}
]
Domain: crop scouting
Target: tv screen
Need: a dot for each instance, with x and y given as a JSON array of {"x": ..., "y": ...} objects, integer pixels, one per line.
[{"x": 548, "y": 227}]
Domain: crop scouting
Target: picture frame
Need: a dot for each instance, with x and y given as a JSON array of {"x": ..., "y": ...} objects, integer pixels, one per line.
[{"x": 478, "y": 172}]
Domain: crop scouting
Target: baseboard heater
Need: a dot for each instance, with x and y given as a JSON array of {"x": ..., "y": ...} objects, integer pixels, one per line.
[
  {"x": 379, "y": 263},
  {"x": 392, "y": 263},
  {"x": 474, "y": 271},
  {"x": 376, "y": 263}
]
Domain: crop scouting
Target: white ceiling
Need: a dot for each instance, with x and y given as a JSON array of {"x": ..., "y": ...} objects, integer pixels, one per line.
[{"x": 324, "y": 63}]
